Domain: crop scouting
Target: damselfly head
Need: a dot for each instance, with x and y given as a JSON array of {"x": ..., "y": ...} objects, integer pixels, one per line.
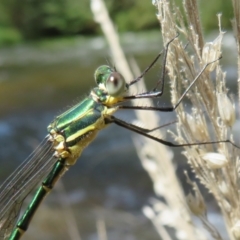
[{"x": 110, "y": 81}]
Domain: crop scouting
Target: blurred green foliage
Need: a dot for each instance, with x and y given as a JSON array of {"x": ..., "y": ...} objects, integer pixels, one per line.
[{"x": 36, "y": 19}]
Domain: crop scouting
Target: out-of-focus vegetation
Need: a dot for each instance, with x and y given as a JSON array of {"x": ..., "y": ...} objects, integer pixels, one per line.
[{"x": 37, "y": 19}]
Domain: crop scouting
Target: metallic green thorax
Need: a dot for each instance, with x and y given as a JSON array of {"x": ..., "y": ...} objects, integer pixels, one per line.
[
  {"x": 76, "y": 119},
  {"x": 73, "y": 130}
]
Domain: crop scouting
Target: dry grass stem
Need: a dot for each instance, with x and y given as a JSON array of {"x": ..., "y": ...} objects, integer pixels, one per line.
[
  {"x": 160, "y": 169},
  {"x": 212, "y": 115},
  {"x": 211, "y": 118},
  {"x": 101, "y": 229},
  {"x": 173, "y": 212},
  {"x": 236, "y": 30},
  {"x": 68, "y": 212}
]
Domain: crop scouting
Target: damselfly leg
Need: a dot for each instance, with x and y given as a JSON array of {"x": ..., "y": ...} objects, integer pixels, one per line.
[{"x": 70, "y": 133}]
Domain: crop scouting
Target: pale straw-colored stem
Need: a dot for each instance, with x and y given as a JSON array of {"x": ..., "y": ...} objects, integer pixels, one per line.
[
  {"x": 236, "y": 30},
  {"x": 155, "y": 157},
  {"x": 211, "y": 116}
]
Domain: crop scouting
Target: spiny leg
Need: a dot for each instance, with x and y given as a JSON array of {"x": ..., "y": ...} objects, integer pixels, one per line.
[
  {"x": 159, "y": 93},
  {"x": 142, "y": 129},
  {"x": 144, "y": 132},
  {"x": 162, "y": 78}
]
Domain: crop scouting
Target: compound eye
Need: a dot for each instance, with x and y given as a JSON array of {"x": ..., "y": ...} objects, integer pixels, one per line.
[{"x": 115, "y": 84}]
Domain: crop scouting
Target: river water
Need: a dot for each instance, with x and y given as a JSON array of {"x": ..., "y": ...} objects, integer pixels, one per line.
[{"x": 40, "y": 81}]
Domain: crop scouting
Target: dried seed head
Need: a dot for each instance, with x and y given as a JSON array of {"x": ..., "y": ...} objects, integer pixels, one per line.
[
  {"x": 238, "y": 166},
  {"x": 212, "y": 51},
  {"x": 224, "y": 188},
  {"x": 226, "y": 206},
  {"x": 196, "y": 204},
  {"x": 148, "y": 212},
  {"x": 236, "y": 229},
  {"x": 154, "y": 2},
  {"x": 181, "y": 234},
  {"x": 150, "y": 166},
  {"x": 197, "y": 127},
  {"x": 226, "y": 109},
  {"x": 215, "y": 160},
  {"x": 159, "y": 186},
  {"x": 168, "y": 217}
]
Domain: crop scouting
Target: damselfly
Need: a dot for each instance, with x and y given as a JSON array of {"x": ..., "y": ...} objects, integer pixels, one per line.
[{"x": 67, "y": 137}]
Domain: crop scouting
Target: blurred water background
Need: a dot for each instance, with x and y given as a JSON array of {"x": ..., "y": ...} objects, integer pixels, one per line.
[{"x": 46, "y": 66}]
